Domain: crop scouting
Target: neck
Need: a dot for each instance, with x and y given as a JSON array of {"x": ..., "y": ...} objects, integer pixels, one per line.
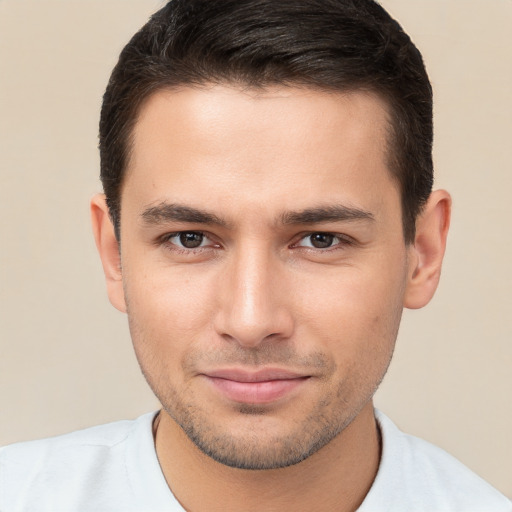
[{"x": 336, "y": 477}]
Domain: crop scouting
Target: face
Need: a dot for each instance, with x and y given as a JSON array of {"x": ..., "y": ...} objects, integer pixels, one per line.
[{"x": 263, "y": 264}]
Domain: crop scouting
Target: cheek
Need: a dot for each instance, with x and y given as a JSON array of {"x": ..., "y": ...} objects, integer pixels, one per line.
[
  {"x": 167, "y": 318},
  {"x": 359, "y": 336},
  {"x": 168, "y": 310},
  {"x": 355, "y": 315}
]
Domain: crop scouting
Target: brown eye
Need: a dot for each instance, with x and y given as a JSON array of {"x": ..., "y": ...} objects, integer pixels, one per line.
[
  {"x": 321, "y": 240},
  {"x": 191, "y": 240},
  {"x": 190, "y": 243}
]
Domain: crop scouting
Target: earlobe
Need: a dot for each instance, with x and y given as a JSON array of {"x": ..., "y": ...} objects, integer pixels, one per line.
[
  {"x": 427, "y": 252},
  {"x": 108, "y": 248}
]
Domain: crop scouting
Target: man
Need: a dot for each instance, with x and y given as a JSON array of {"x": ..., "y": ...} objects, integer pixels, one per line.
[{"x": 268, "y": 212}]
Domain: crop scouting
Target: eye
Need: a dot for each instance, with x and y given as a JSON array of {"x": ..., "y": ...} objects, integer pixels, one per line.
[
  {"x": 188, "y": 239},
  {"x": 322, "y": 240}
]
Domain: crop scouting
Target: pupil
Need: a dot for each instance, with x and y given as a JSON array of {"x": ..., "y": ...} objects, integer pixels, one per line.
[
  {"x": 191, "y": 240},
  {"x": 322, "y": 240}
]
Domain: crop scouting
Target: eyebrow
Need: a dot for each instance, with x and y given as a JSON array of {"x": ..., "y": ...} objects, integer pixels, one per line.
[
  {"x": 167, "y": 212},
  {"x": 170, "y": 212},
  {"x": 334, "y": 213}
]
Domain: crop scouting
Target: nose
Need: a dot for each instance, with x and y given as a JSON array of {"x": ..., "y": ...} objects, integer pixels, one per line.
[{"x": 254, "y": 299}]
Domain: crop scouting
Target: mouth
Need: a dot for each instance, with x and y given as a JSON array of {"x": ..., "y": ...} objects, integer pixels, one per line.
[{"x": 261, "y": 387}]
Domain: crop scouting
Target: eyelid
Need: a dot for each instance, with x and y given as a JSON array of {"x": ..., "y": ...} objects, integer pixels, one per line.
[
  {"x": 166, "y": 240},
  {"x": 343, "y": 240}
]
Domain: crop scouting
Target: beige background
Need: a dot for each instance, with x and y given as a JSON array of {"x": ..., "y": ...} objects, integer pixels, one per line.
[{"x": 65, "y": 355}]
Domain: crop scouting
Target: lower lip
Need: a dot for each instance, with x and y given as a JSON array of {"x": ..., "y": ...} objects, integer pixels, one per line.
[{"x": 256, "y": 392}]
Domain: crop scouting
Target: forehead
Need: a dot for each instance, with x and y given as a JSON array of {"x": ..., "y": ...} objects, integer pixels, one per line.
[{"x": 281, "y": 144}]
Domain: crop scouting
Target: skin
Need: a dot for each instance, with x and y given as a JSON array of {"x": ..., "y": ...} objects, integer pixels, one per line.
[{"x": 258, "y": 179}]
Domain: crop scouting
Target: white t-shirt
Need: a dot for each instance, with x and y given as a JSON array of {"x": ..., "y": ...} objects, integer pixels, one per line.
[{"x": 114, "y": 467}]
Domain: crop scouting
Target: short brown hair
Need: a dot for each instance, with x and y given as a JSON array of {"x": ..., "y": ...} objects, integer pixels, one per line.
[{"x": 338, "y": 45}]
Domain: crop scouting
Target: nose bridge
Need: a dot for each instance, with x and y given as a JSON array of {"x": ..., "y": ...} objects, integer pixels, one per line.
[{"x": 253, "y": 308}]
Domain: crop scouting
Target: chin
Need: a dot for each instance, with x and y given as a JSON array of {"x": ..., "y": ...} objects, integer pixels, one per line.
[{"x": 257, "y": 441}]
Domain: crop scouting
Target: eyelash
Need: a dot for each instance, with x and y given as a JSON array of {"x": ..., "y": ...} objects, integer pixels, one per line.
[
  {"x": 166, "y": 242},
  {"x": 343, "y": 242}
]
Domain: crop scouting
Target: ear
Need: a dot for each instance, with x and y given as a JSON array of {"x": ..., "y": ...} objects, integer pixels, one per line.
[
  {"x": 426, "y": 254},
  {"x": 108, "y": 247}
]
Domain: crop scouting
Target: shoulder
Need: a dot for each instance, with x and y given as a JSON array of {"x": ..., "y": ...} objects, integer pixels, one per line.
[
  {"x": 100, "y": 435},
  {"x": 415, "y": 475},
  {"x": 51, "y": 471},
  {"x": 28, "y": 458}
]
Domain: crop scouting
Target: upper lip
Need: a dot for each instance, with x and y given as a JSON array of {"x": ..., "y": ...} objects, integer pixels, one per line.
[{"x": 263, "y": 375}]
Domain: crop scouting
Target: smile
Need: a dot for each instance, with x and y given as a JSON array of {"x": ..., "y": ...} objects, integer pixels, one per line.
[{"x": 260, "y": 387}]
